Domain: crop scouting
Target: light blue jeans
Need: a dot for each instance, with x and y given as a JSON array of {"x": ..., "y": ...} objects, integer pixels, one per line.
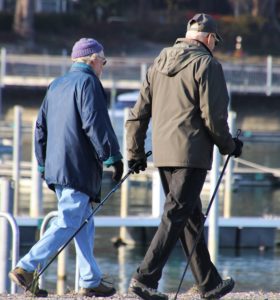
[{"x": 73, "y": 209}]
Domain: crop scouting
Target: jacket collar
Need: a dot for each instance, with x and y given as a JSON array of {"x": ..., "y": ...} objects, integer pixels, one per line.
[
  {"x": 193, "y": 42},
  {"x": 79, "y": 66}
]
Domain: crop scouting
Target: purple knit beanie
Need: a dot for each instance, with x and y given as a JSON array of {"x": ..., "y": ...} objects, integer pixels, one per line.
[{"x": 85, "y": 47}]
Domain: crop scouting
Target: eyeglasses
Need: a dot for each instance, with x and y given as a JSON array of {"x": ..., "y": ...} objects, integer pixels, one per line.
[{"x": 104, "y": 60}]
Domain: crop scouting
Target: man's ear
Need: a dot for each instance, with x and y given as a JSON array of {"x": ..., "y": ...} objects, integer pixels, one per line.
[{"x": 208, "y": 39}]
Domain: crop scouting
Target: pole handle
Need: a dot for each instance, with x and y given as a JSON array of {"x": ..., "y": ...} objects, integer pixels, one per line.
[
  {"x": 147, "y": 154},
  {"x": 238, "y": 132}
]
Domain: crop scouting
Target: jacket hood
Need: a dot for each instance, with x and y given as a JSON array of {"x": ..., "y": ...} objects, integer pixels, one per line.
[{"x": 173, "y": 59}]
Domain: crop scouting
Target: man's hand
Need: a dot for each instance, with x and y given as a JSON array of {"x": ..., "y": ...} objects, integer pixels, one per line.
[
  {"x": 238, "y": 147},
  {"x": 41, "y": 170},
  {"x": 137, "y": 165},
  {"x": 118, "y": 170}
]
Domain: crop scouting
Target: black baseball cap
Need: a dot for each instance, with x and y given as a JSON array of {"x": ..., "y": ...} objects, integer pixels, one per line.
[{"x": 204, "y": 23}]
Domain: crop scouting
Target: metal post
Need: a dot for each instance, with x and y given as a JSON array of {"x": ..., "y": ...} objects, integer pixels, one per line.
[
  {"x": 2, "y": 76},
  {"x": 125, "y": 186},
  {"x": 3, "y": 65},
  {"x": 229, "y": 171},
  {"x": 143, "y": 71},
  {"x": 6, "y": 206},
  {"x": 229, "y": 96},
  {"x": 158, "y": 196},
  {"x": 64, "y": 6},
  {"x": 46, "y": 60},
  {"x": 122, "y": 269},
  {"x": 113, "y": 101},
  {"x": 1, "y": 103},
  {"x": 17, "y": 147},
  {"x": 36, "y": 206},
  {"x": 38, "y": 6},
  {"x": 57, "y": 7},
  {"x": 268, "y": 75},
  {"x": 15, "y": 247},
  {"x": 213, "y": 229},
  {"x": 64, "y": 62},
  {"x": 113, "y": 93}
]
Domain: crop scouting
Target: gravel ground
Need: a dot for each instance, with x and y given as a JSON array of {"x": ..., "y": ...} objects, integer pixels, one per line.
[{"x": 182, "y": 296}]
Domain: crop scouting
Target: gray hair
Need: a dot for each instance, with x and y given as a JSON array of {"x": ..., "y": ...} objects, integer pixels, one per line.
[
  {"x": 87, "y": 59},
  {"x": 197, "y": 35}
]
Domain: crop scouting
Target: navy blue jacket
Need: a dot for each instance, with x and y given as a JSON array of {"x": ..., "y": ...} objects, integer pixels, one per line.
[{"x": 74, "y": 134}]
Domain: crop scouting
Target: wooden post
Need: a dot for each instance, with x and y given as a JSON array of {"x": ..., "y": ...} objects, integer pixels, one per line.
[{"x": 62, "y": 271}]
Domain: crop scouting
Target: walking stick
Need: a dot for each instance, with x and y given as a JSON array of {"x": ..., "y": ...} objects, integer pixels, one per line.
[
  {"x": 205, "y": 217},
  {"x": 130, "y": 171}
]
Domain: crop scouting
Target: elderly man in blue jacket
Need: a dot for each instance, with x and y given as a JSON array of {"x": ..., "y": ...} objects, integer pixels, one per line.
[{"x": 73, "y": 138}]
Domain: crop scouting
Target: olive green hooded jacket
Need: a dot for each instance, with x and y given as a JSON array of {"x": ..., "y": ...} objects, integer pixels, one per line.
[{"x": 186, "y": 97}]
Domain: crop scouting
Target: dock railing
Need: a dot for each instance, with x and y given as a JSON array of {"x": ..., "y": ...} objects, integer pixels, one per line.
[
  {"x": 262, "y": 75},
  {"x": 24, "y": 173},
  {"x": 6, "y": 200}
]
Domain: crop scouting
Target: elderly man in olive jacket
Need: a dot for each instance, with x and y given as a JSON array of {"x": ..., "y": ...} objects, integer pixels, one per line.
[{"x": 186, "y": 97}]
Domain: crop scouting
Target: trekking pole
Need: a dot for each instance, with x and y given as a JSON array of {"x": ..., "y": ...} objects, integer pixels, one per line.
[
  {"x": 130, "y": 171},
  {"x": 205, "y": 217}
]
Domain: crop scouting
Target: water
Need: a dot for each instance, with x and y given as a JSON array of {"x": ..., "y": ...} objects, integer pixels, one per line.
[{"x": 252, "y": 269}]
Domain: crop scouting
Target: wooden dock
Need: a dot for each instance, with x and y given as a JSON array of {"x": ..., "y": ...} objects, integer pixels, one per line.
[
  {"x": 39, "y": 70},
  {"x": 234, "y": 232},
  {"x": 149, "y": 221}
]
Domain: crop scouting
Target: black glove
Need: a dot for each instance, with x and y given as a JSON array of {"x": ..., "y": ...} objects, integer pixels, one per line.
[
  {"x": 42, "y": 175},
  {"x": 118, "y": 170},
  {"x": 238, "y": 147},
  {"x": 137, "y": 165}
]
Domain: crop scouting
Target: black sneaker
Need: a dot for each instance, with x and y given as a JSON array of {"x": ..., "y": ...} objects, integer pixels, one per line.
[
  {"x": 105, "y": 289},
  {"x": 222, "y": 289},
  {"x": 145, "y": 292}
]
